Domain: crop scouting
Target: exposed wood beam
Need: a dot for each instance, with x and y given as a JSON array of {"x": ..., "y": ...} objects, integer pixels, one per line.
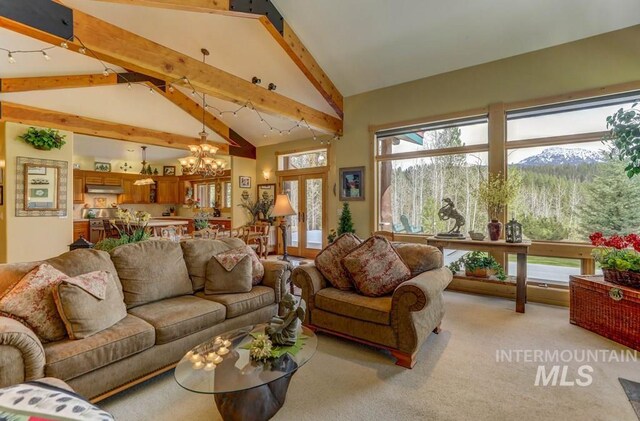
[
  {"x": 22, "y": 84},
  {"x": 287, "y": 39},
  {"x": 126, "y": 49},
  {"x": 90, "y": 126},
  {"x": 238, "y": 145},
  {"x": 296, "y": 50}
]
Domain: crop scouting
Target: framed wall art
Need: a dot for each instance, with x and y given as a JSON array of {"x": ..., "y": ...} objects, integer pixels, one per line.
[
  {"x": 352, "y": 183},
  {"x": 245, "y": 182},
  {"x": 41, "y": 187}
]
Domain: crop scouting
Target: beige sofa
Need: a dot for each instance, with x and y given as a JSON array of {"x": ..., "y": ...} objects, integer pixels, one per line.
[
  {"x": 400, "y": 322},
  {"x": 152, "y": 337}
]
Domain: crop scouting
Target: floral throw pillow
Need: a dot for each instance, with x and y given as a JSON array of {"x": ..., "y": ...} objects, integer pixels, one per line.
[
  {"x": 31, "y": 302},
  {"x": 257, "y": 268},
  {"x": 376, "y": 268},
  {"x": 329, "y": 261}
]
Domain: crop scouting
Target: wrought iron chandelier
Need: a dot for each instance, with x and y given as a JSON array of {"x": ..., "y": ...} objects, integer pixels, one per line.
[{"x": 202, "y": 161}]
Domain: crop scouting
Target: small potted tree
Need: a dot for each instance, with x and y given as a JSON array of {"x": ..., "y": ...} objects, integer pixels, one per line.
[{"x": 496, "y": 192}]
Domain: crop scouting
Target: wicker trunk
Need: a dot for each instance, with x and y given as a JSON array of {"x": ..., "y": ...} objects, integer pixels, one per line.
[{"x": 607, "y": 309}]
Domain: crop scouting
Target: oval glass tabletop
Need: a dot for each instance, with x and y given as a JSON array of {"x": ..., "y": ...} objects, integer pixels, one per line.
[{"x": 208, "y": 369}]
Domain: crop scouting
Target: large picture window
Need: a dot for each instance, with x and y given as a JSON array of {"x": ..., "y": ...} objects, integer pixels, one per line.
[{"x": 419, "y": 167}]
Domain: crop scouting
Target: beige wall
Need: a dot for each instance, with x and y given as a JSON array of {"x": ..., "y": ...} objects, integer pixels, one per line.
[
  {"x": 32, "y": 238},
  {"x": 241, "y": 167},
  {"x": 590, "y": 63}
]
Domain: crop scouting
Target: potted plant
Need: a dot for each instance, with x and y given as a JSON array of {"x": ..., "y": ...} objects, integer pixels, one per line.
[
  {"x": 132, "y": 229},
  {"x": 43, "y": 139},
  {"x": 619, "y": 257},
  {"x": 479, "y": 264},
  {"x": 496, "y": 192},
  {"x": 624, "y": 137}
]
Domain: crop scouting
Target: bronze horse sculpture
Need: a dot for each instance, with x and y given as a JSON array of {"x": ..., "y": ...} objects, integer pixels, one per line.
[{"x": 449, "y": 211}]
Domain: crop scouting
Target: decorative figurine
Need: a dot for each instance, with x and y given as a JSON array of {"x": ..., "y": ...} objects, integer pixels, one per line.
[
  {"x": 449, "y": 211},
  {"x": 283, "y": 330}
]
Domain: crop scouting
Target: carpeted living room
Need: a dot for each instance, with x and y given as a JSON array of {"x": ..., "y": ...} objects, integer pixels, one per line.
[{"x": 301, "y": 210}]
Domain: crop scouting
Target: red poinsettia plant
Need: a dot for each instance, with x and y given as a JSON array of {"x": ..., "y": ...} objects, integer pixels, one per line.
[{"x": 617, "y": 252}]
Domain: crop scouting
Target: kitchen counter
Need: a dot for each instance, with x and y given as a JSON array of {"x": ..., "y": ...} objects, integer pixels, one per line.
[{"x": 210, "y": 218}]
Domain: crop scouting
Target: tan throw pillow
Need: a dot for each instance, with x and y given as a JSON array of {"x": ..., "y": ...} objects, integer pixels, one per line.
[
  {"x": 151, "y": 271},
  {"x": 89, "y": 304},
  {"x": 229, "y": 272},
  {"x": 198, "y": 252},
  {"x": 30, "y": 301},
  {"x": 376, "y": 268},
  {"x": 419, "y": 257},
  {"x": 329, "y": 261}
]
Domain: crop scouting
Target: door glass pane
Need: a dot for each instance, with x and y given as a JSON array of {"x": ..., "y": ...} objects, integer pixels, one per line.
[
  {"x": 290, "y": 188},
  {"x": 313, "y": 214},
  {"x": 212, "y": 196}
]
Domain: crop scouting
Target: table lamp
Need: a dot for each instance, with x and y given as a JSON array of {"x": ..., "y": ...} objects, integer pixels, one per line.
[{"x": 282, "y": 209}]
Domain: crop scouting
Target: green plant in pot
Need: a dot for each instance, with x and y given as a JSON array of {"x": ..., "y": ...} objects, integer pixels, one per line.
[
  {"x": 44, "y": 139},
  {"x": 479, "y": 264},
  {"x": 496, "y": 192},
  {"x": 624, "y": 137}
]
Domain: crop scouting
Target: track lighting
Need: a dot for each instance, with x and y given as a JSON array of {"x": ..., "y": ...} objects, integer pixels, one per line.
[
  {"x": 272, "y": 86},
  {"x": 45, "y": 55},
  {"x": 10, "y": 58},
  {"x": 256, "y": 80}
]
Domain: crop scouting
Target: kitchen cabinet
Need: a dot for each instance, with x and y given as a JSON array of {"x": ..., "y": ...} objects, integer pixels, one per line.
[
  {"x": 142, "y": 194},
  {"x": 132, "y": 194},
  {"x": 78, "y": 186},
  {"x": 167, "y": 190},
  {"x": 101, "y": 179},
  {"x": 80, "y": 228}
]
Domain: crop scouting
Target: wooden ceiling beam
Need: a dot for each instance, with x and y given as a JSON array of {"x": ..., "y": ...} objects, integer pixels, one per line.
[
  {"x": 287, "y": 39},
  {"x": 23, "y": 84},
  {"x": 24, "y": 114},
  {"x": 238, "y": 146},
  {"x": 126, "y": 49}
]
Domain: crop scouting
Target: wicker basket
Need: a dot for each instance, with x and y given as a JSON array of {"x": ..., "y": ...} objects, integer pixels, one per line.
[{"x": 622, "y": 277}]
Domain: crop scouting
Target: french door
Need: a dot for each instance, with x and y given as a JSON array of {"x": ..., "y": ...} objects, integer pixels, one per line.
[{"x": 307, "y": 229}]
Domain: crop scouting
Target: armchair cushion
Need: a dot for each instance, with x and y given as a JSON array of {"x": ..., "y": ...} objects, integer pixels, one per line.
[
  {"x": 329, "y": 261},
  {"x": 354, "y": 305},
  {"x": 375, "y": 267}
]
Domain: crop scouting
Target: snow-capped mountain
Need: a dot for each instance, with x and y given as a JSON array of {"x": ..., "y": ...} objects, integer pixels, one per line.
[{"x": 562, "y": 156}]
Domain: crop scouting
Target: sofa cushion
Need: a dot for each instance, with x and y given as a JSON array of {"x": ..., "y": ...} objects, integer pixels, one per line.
[
  {"x": 419, "y": 258},
  {"x": 87, "y": 309},
  {"x": 81, "y": 261},
  {"x": 354, "y": 305},
  {"x": 30, "y": 301},
  {"x": 150, "y": 271},
  {"x": 239, "y": 304},
  {"x": 175, "y": 318},
  {"x": 198, "y": 252},
  {"x": 329, "y": 261},
  {"x": 68, "y": 359},
  {"x": 375, "y": 267},
  {"x": 221, "y": 280}
]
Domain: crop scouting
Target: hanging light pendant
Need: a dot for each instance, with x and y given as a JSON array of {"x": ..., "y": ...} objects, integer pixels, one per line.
[
  {"x": 144, "y": 181},
  {"x": 202, "y": 161}
]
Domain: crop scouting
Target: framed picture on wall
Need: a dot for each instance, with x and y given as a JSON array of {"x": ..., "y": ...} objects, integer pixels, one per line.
[
  {"x": 266, "y": 195},
  {"x": 169, "y": 170},
  {"x": 245, "y": 182},
  {"x": 352, "y": 183},
  {"x": 102, "y": 166}
]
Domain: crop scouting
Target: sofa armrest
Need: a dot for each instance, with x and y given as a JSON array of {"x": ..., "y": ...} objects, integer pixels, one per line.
[
  {"x": 417, "y": 307},
  {"x": 14, "y": 334},
  {"x": 310, "y": 280},
  {"x": 276, "y": 275}
]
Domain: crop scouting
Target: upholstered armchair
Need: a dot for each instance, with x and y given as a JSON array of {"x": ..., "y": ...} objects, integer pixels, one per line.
[{"x": 400, "y": 322}]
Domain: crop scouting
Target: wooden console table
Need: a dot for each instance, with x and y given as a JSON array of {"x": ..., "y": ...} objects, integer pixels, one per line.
[{"x": 500, "y": 246}]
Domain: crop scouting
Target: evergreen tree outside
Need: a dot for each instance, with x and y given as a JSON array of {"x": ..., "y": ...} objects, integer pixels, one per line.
[
  {"x": 611, "y": 203},
  {"x": 346, "y": 224}
]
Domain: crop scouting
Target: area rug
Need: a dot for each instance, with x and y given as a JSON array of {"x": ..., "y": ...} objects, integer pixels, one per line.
[
  {"x": 457, "y": 377},
  {"x": 632, "y": 389}
]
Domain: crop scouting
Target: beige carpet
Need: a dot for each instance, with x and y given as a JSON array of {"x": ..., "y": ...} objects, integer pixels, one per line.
[{"x": 456, "y": 378}]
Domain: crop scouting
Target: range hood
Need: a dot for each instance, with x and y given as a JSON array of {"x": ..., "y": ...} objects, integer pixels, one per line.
[{"x": 99, "y": 189}]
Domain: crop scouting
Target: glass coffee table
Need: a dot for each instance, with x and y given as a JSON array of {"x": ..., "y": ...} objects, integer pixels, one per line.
[{"x": 243, "y": 389}]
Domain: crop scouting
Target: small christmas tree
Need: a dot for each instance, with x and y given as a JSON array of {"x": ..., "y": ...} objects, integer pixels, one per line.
[{"x": 346, "y": 224}]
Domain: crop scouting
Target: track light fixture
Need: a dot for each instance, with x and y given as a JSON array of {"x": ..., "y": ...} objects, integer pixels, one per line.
[
  {"x": 272, "y": 86},
  {"x": 256, "y": 80}
]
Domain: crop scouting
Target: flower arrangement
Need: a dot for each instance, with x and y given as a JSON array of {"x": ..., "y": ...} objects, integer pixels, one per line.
[
  {"x": 617, "y": 252},
  {"x": 496, "y": 192},
  {"x": 261, "y": 348},
  {"x": 132, "y": 229},
  {"x": 478, "y": 263},
  {"x": 45, "y": 139},
  {"x": 201, "y": 221}
]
